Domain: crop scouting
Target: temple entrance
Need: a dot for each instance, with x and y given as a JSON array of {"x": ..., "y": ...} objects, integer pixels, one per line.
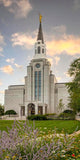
[
  {"x": 22, "y": 110},
  {"x": 31, "y": 109},
  {"x": 40, "y": 110}
]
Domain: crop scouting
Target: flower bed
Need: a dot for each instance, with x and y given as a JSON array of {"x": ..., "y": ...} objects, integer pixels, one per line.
[{"x": 27, "y": 143}]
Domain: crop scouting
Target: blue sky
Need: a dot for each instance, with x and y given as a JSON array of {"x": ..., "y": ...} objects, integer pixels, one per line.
[{"x": 19, "y": 23}]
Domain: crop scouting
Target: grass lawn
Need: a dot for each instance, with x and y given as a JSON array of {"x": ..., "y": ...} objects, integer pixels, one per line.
[{"x": 69, "y": 126}]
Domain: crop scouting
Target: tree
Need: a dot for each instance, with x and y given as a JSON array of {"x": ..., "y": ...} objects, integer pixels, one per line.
[
  {"x": 60, "y": 105},
  {"x": 1, "y": 110},
  {"x": 10, "y": 112},
  {"x": 74, "y": 86}
]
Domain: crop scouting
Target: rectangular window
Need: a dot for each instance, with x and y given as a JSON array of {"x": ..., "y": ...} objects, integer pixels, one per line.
[
  {"x": 36, "y": 87},
  {"x": 39, "y": 86}
]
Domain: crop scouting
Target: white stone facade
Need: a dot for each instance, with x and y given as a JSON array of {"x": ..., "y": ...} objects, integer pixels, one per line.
[{"x": 41, "y": 93}]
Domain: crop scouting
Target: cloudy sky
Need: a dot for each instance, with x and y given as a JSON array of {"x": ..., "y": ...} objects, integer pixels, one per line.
[{"x": 19, "y": 23}]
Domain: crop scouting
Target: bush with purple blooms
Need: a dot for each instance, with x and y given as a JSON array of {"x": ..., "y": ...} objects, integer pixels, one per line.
[{"x": 24, "y": 142}]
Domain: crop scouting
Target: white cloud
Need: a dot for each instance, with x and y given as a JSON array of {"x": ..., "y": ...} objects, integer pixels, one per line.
[
  {"x": 7, "y": 69},
  {"x": 57, "y": 59},
  {"x": 22, "y": 80},
  {"x": 10, "y": 60},
  {"x": 24, "y": 40},
  {"x": 20, "y": 8},
  {"x": 18, "y": 66}
]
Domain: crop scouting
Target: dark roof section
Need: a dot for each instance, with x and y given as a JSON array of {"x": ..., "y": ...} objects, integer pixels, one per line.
[{"x": 40, "y": 34}]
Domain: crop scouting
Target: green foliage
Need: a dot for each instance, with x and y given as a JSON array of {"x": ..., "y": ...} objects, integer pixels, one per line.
[
  {"x": 68, "y": 111},
  {"x": 1, "y": 110},
  {"x": 48, "y": 114},
  {"x": 66, "y": 116},
  {"x": 37, "y": 117},
  {"x": 60, "y": 105},
  {"x": 74, "y": 86},
  {"x": 10, "y": 112}
]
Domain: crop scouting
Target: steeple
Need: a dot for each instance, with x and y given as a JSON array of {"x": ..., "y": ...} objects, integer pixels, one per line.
[
  {"x": 40, "y": 34},
  {"x": 40, "y": 48}
]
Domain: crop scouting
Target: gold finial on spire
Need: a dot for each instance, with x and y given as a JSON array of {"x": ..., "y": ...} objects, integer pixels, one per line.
[{"x": 40, "y": 17}]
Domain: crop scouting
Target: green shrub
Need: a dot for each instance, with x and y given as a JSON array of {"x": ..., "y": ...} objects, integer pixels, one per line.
[
  {"x": 48, "y": 114},
  {"x": 10, "y": 112},
  {"x": 68, "y": 111},
  {"x": 37, "y": 117},
  {"x": 66, "y": 116},
  {"x": 1, "y": 110},
  {"x": 51, "y": 116}
]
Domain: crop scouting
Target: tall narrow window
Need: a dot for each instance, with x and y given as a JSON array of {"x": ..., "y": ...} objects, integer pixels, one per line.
[
  {"x": 36, "y": 85},
  {"x": 39, "y": 86},
  {"x": 39, "y": 50},
  {"x": 42, "y": 50}
]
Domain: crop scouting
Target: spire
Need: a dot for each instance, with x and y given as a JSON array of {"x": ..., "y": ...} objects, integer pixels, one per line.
[{"x": 40, "y": 34}]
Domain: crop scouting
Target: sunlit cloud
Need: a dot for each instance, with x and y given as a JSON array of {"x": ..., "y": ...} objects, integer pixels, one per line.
[
  {"x": 56, "y": 45},
  {"x": 58, "y": 78},
  {"x": 20, "y": 8},
  {"x": 23, "y": 40},
  {"x": 66, "y": 74},
  {"x": 57, "y": 59},
  {"x": 6, "y": 3},
  {"x": 2, "y": 92},
  {"x": 68, "y": 44},
  {"x": 10, "y": 60},
  {"x": 50, "y": 60},
  {"x": 7, "y": 69}
]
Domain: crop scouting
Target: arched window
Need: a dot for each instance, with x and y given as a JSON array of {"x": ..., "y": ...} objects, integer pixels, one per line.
[
  {"x": 42, "y": 50},
  {"x": 39, "y": 50}
]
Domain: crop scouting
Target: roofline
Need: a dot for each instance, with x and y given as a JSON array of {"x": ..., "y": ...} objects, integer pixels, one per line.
[
  {"x": 15, "y": 85},
  {"x": 62, "y": 83}
]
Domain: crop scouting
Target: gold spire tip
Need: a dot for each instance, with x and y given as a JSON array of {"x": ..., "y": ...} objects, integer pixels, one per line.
[{"x": 40, "y": 18}]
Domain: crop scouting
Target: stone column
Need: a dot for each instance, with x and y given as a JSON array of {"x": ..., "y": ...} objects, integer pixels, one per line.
[
  {"x": 26, "y": 110},
  {"x": 36, "y": 109},
  {"x": 19, "y": 111},
  {"x": 43, "y": 109}
]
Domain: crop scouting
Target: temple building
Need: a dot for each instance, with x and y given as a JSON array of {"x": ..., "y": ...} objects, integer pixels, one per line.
[{"x": 41, "y": 92}]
